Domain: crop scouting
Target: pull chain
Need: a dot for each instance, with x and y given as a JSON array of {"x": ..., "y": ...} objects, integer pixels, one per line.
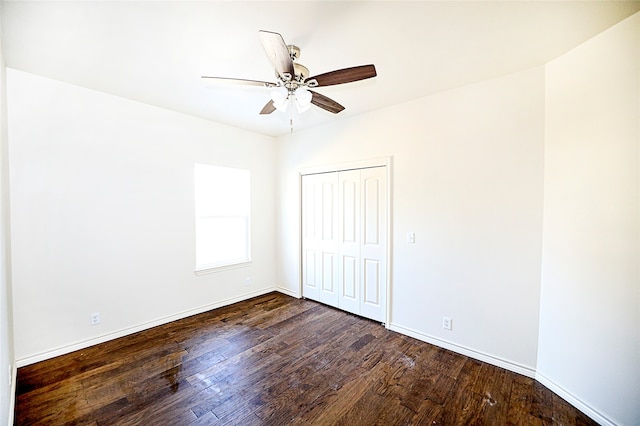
[{"x": 291, "y": 108}]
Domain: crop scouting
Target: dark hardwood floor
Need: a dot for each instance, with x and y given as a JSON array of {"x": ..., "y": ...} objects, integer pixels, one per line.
[{"x": 278, "y": 360}]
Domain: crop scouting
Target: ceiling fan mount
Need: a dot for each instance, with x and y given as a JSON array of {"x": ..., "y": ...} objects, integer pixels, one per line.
[
  {"x": 300, "y": 72},
  {"x": 294, "y": 51},
  {"x": 293, "y": 81}
]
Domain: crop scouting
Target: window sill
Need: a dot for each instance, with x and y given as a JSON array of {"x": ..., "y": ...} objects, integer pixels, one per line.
[{"x": 213, "y": 269}]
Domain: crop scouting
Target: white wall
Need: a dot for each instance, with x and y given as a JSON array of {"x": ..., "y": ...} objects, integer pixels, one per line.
[
  {"x": 589, "y": 349},
  {"x": 103, "y": 216},
  {"x": 468, "y": 180},
  {"x": 7, "y": 365}
]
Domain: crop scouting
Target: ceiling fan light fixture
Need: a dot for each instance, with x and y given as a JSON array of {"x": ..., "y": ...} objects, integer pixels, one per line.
[
  {"x": 303, "y": 96},
  {"x": 301, "y": 108},
  {"x": 280, "y": 98},
  {"x": 303, "y": 99},
  {"x": 282, "y": 106},
  {"x": 279, "y": 94}
]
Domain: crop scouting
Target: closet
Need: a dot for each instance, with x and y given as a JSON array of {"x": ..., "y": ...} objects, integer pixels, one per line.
[{"x": 344, "y": 240}]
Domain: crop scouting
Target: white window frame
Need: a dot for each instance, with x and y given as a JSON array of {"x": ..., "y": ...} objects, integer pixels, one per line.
[{"x": 214, "y": 199}]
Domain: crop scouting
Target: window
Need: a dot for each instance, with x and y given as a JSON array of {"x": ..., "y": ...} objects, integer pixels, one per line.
[{"x": 222, "y": 205}]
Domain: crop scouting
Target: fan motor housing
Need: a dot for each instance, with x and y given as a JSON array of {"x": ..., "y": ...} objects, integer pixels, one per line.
[{"x": 302, "y": 72}]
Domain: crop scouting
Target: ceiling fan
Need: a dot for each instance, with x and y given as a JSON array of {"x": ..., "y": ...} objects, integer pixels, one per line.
[{"x": 292, "y": 78}]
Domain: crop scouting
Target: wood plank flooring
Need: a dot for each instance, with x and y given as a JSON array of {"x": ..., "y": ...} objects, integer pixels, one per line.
[{"x": 277, "y": 360}]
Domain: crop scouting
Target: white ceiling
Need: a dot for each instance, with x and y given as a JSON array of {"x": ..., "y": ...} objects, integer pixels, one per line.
[{"x": 155, "y": 51}]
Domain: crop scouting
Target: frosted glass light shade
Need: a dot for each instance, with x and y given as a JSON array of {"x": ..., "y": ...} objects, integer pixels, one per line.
[
  {"x": 280, "y": 98},
  {"x": 303, "y": 99},
  {"x": 303, "y": 96}
]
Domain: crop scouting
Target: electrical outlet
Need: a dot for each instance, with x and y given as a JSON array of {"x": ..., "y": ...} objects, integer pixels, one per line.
[
  {"x": 95, "y": 318},
  {"x": 247, "y": 281},
  {"x": 447, "y": 323}
]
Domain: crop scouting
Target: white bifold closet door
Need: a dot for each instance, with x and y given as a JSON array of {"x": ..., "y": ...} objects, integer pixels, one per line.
[
  {"x": 320, "y": 237},
  {"x": 344, "y": 240}
]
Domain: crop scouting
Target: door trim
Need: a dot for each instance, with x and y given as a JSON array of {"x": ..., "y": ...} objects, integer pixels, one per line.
[
  {"x": 339, "y": 167},
  {"x": 351, "y": 165}
]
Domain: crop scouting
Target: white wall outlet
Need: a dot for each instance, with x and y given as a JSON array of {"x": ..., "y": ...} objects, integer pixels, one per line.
[
  {"x": 95, "y": 318},
  {"x": 411, "y": 237},
  {"x": 447, "y": 323},
  {"x": 247, "y": 281}
]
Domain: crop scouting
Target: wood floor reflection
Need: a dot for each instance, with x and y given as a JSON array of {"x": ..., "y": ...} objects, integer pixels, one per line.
[{"x": 278, "y": 360}]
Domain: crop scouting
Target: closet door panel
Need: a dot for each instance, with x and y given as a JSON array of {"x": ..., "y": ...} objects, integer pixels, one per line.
[
  {"x": 309, "y": 238},
  {"x": 373, "y": 250},
  {"x": 349, "y": 278},
  {"x": 372, "y": 282},
  {"x": 349, "y": 236},
  {"x": 319, "y": 237}
]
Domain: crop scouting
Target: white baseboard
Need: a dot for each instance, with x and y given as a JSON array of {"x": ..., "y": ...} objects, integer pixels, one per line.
[
  {"x": 130, "y": 330},
  {"x": 481, "y": 356},
  {"x": 288, "y": 292},
  {"x": 573, "y": 400}
]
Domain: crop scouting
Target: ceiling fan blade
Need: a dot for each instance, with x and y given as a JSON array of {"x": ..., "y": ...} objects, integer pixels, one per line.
[
  {"x": 325, "y": 103},
  {"x": 346, "y": 75},
  {"x": 240, "y": 81},
  {"x": 268, "y": 108},
  {"x": 278, "y": 53}
]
